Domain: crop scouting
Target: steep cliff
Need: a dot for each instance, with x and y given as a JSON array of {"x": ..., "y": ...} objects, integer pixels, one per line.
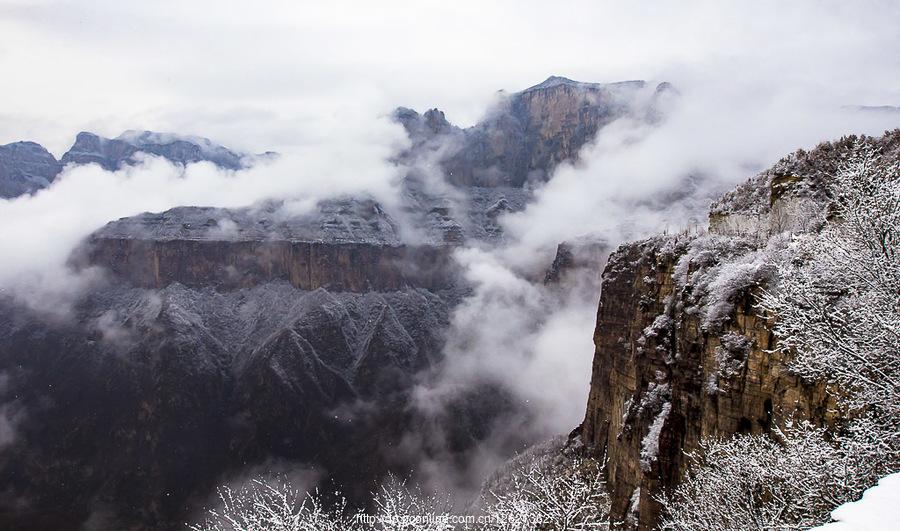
[
  {"x": 526, "y": 134},
  {"x": 25, "y": 167},
  {"x": 111, "y": 153},
  {"x": 682, "y": 353}
]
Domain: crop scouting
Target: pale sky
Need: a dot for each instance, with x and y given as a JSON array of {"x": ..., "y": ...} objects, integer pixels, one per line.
[{"x": 272, "y": 75}]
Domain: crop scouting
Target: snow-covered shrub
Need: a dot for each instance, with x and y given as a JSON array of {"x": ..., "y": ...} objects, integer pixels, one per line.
[
  {"x": 263, "y": 505},
  {"x": 543, "y": 498},
  {"x": 837, "y": 299},
  {"x": 716, "y": 269},
  {"x": 791, "y": 480},
  {"x": 401, "y": 505}
]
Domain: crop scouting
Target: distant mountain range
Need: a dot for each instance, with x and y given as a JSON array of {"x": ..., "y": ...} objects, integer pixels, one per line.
[
  {"x": 26, "y": 167},
  {"x": 519, "y": 142}
]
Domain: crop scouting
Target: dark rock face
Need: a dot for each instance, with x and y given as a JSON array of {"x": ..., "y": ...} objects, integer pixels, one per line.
[
  {"x": 524, "y": 137},
  {"x": 110, "y": 154},
  {"x": 132, "y": 412},
  {"x": 354, "y": 267},
  {"x": 25, "y": 167},
  {"x": 654, "y": 364}
]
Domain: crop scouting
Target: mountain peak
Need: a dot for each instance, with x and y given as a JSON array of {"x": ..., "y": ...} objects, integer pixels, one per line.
[
  {"x": 554, "y": 81},
  {"x": 557, "y": 81},
  {"x": 111, "y": 153}
]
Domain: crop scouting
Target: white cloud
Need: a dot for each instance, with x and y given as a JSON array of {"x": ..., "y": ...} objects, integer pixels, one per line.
[{"x": 39, "y": 231}]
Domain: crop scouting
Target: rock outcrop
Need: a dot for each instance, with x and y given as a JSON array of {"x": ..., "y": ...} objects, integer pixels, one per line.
[
  {"x": 111, "y": 153},
  {"x": 577, "y": 256},
  {"x": 682, "y": 353},
  {"x": 528, "y": 133},
  {"x": 25, "y": 167},
  {"x": 342, "y": 245}
]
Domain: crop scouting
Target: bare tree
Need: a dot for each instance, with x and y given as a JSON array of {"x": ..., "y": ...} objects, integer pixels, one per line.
[
  {"x": 262, "y": 505},
  {"x": 277, "y": 506},
  {"x": 788, "y": 480},
  {"x": 545, "y": 498},
  {"x": 401, "y": 506}
]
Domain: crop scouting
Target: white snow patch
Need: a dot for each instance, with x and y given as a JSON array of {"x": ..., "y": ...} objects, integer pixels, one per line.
[
  {"x": 650, "y": 444},
  {"x": 878, "y": 509},
  {"x": 635, "y": 507}
]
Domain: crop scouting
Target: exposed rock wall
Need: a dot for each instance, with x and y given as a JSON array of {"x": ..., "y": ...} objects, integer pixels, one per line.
[
  {"x": 354, "y": 267},
  {"x": 112, "y": 153},
  {"x": 25, "y": 167},
  {"x": 663, "y": 379},
  {"x": 526, "y": 134}
]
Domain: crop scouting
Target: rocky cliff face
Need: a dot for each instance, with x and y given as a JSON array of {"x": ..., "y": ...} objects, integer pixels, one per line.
[
  {"x": 664, "y": 377},
  {"x": 24, "y": 168},
  {"x": 681, "y": 351},
  {"x": 524, "y": 137},
  {"x": 342, "y": 245},
  {"x": 353, "y": 267},
  {"x": 111, "y": 153}
]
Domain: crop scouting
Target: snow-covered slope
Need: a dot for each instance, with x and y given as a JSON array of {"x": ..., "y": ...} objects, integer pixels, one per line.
[{"x": 879, "y": 509}]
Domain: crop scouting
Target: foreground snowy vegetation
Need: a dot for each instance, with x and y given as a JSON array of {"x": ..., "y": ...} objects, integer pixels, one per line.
[
  {"x": 834, "y": 294},
  {"x": 534, "y": 497}
]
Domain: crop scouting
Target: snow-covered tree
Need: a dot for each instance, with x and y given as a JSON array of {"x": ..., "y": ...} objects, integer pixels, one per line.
[
  {"x": 278, "y": 506},
  {"x": 544, "y": 498},
  {"x": 791, "y": 479},
  {"x": 400, "y": 505},
  {"x": 264, "y": 505},
  {"x": 837, "y": 301}
]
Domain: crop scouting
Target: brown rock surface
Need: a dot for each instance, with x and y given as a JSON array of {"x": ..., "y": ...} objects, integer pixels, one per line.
[
  {"x": 656, "y": 364},
  {"x": 233, "y": 264}
]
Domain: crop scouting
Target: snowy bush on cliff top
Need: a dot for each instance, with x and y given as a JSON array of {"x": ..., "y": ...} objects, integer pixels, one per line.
[{"x": 717, "y": 269}]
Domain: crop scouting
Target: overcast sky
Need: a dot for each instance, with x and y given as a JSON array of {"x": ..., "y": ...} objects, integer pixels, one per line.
[
  {"x": 315, "y": 81},
  {"x": 271, "y": 75}
]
